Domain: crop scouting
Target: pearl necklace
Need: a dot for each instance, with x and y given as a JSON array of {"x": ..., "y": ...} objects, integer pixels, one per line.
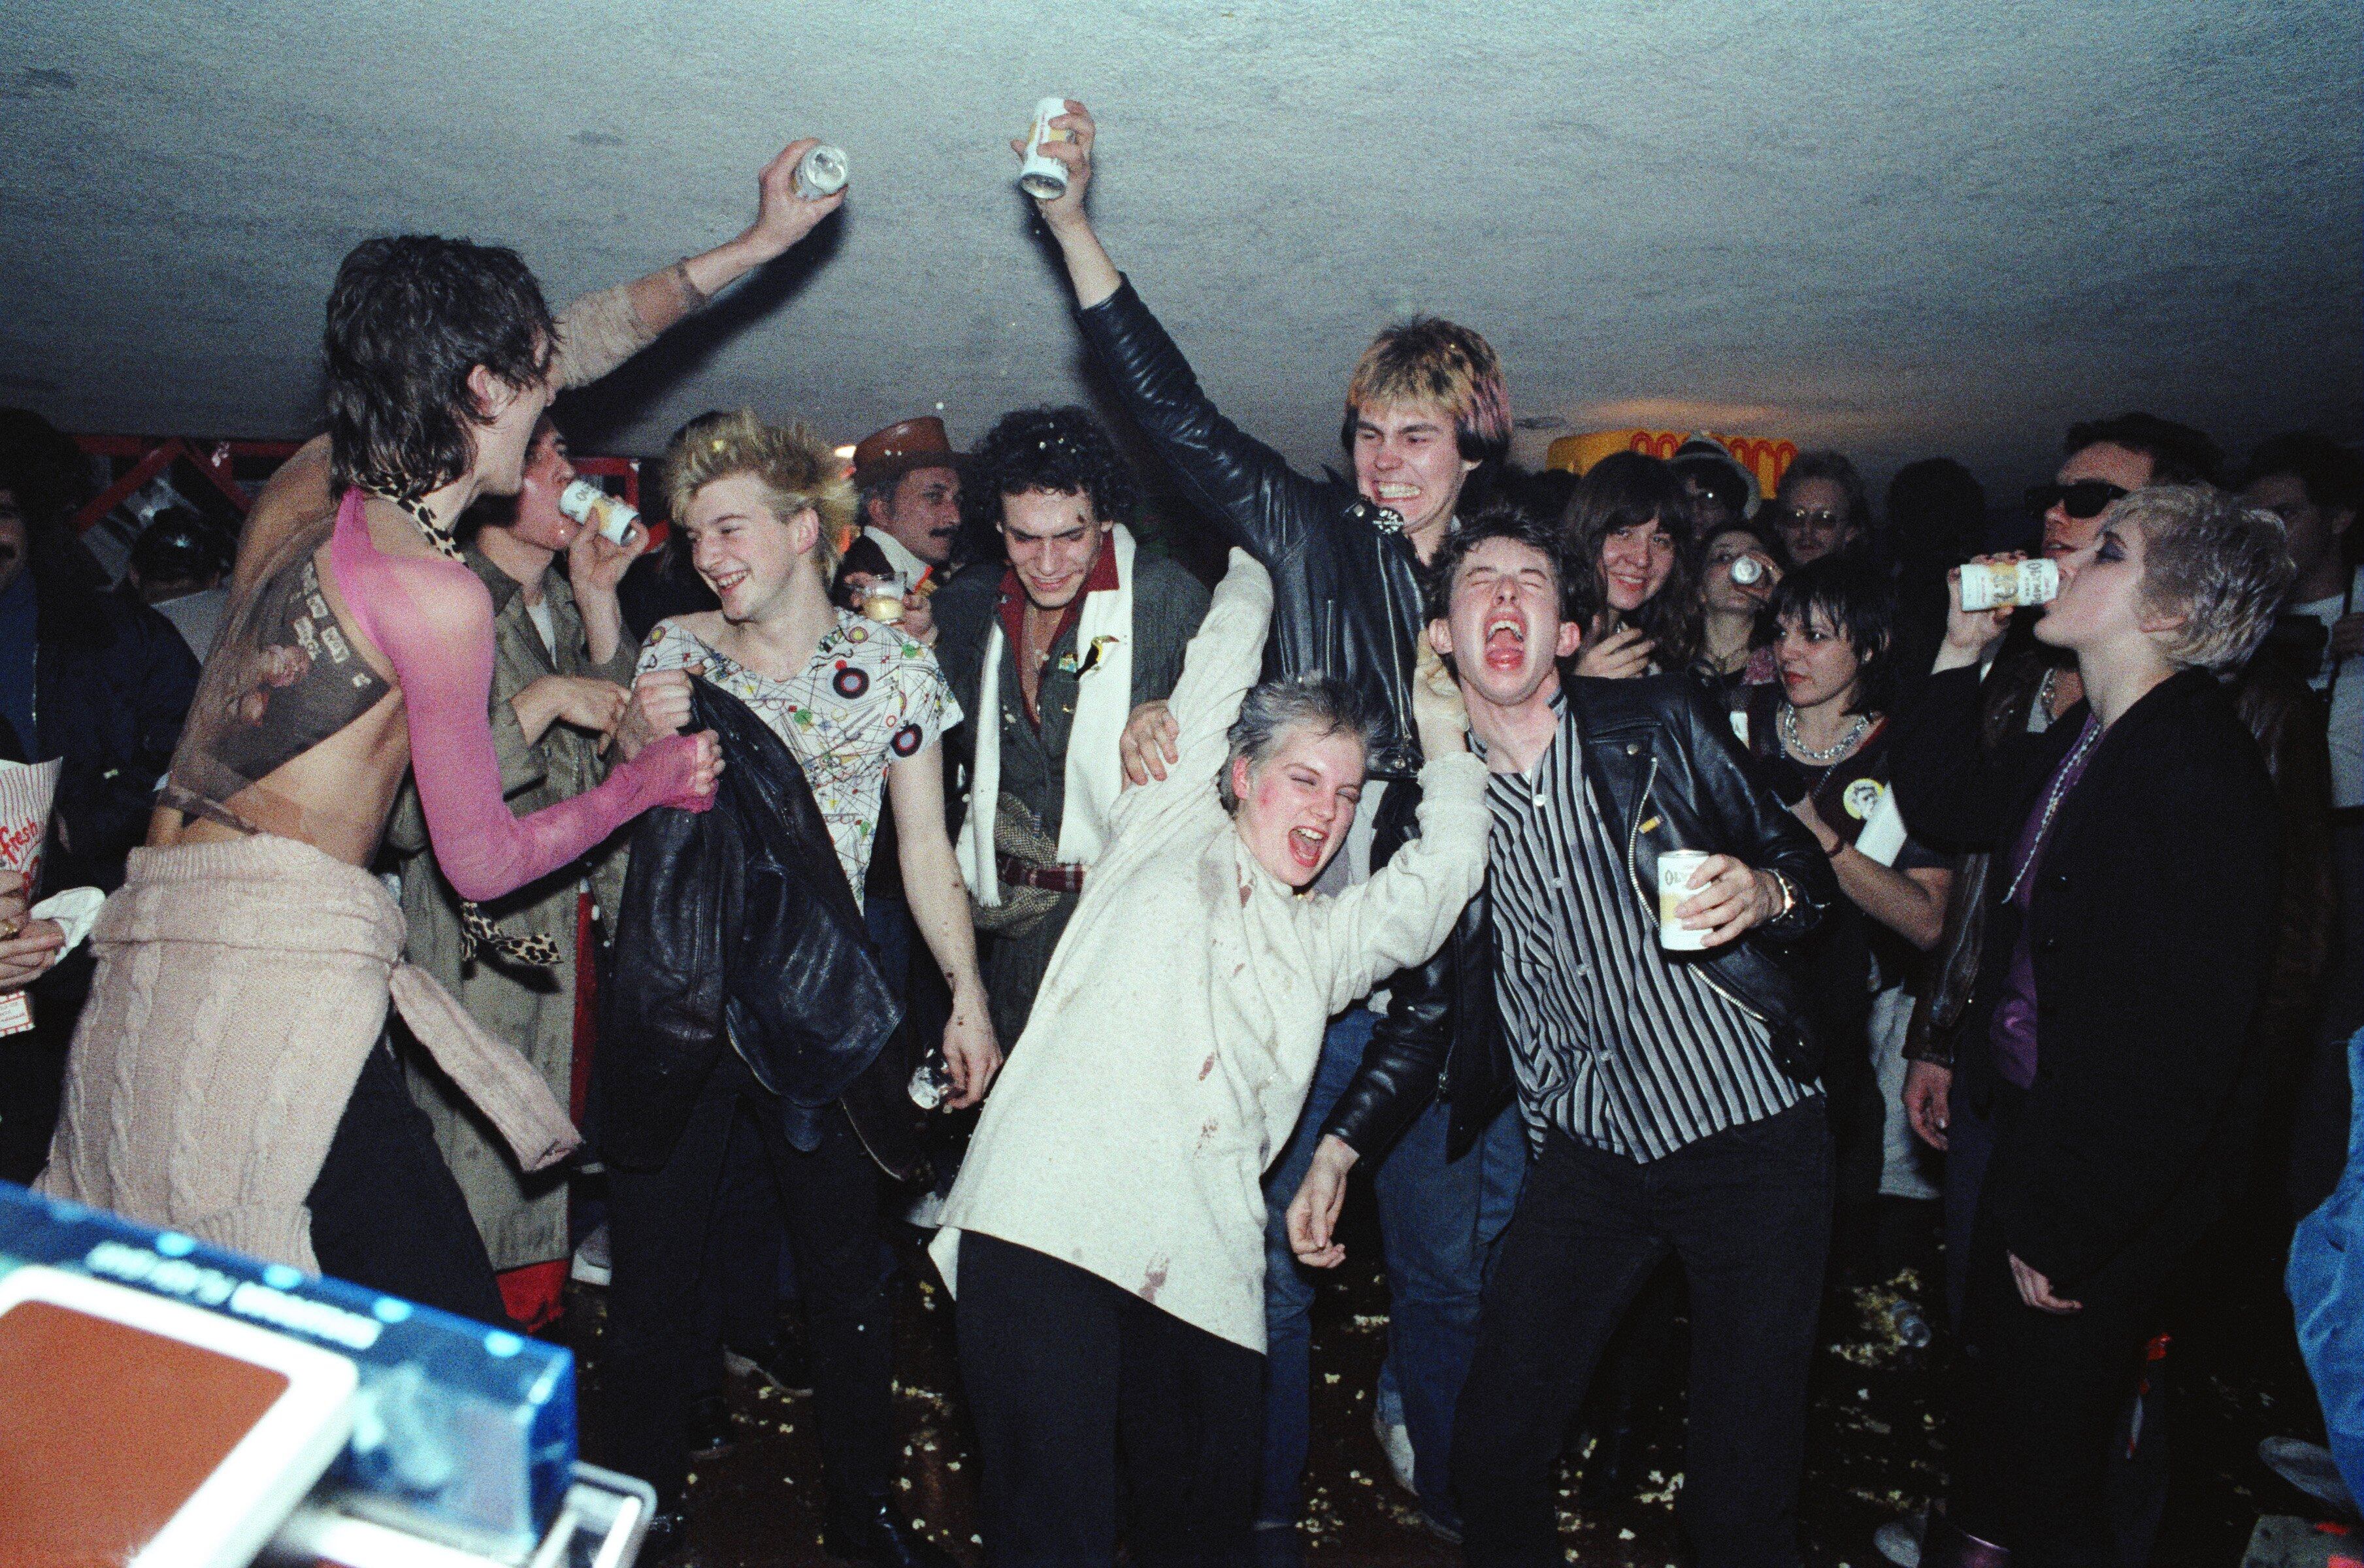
[{"x": 1825, "y": 755}]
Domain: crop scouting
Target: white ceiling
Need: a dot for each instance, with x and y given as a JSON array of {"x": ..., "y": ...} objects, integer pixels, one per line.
[{"x": 1900, "y": 227}]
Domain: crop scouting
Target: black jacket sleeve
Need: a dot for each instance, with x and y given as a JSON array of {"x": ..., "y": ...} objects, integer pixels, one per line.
[
  {"x": 1263, "y": 506},
  {"x": 1951, "y": 789}
]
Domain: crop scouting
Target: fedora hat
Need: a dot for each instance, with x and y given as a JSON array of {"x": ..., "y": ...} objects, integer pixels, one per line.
[{"x": 901, "y": 447}]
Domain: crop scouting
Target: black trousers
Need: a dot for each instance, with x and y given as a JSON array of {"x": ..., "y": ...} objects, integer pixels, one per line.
[
  {"x": 387, "y": 1211},
  {"x": 658, "y": 1225},
  {"x": 1081, "y": 1390},
  {"x": 2040, "y": 1401},
  {"x": 1747, "y": 1213}
]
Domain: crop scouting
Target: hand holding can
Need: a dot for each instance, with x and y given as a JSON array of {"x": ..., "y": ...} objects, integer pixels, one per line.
[
  {"x": 1044, "y": 178},
  {"x": 587, "y": 503},
  {"x": 2001, "y": 585},
  {"x": 820, "y": 172},
  {"x": 1676, "y": 869}
]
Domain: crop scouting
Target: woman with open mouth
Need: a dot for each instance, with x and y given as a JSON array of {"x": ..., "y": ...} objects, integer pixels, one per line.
[{"x": 1106, "y": 1239}]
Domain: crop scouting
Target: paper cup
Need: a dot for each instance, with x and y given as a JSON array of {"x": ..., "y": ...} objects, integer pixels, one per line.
[
  {"x": 1676, "y": 867},
  {"x": 1044, "y": 178}
]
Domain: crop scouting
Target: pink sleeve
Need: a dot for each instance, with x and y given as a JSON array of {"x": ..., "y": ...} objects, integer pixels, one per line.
[{"x": 434, "y": 622}]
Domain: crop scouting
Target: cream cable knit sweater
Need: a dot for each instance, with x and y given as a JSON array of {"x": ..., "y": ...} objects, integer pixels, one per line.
[{"x": 1176, "y": 1034}]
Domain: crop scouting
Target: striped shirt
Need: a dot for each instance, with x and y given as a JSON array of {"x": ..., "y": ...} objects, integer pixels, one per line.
[{"x": 1616, "y": 1044}]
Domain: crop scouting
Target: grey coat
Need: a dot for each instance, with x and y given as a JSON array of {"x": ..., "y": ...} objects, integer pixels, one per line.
[{"x": 522, "y": 1217}]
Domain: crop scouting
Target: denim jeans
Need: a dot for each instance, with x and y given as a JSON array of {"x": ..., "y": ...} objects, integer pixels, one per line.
[
  {"x": 1289, "y": 1286},
  {"x": 1440, "y": 1221}
]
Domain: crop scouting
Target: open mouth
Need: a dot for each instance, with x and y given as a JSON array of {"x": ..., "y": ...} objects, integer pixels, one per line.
[
  {"x": 723, "y": 581},
  {"x": 1506, "y": 643},
  {"x": 1307, "y": 846},
  {"x": 1392, "y": 492}
]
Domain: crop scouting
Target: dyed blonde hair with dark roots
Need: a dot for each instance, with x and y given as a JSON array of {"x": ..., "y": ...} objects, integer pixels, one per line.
[{"x": 794, "y": 463}]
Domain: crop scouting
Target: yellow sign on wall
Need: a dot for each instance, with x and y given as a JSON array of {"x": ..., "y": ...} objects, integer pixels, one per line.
[{"x": 1765, "y": 457}]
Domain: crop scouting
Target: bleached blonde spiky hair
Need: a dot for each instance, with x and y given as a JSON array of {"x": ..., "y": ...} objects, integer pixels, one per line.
[{"x": 793, "y": 461}]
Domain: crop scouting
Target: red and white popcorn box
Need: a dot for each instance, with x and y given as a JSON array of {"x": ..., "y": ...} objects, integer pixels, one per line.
[{"x": 26, "y": 793}]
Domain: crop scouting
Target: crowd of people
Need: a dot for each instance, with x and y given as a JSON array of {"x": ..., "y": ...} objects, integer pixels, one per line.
[{"x": 1660, "y": 888}]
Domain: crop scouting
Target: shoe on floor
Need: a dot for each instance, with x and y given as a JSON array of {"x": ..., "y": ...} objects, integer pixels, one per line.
[
  {"x": 2309, "y": 1467},
  {"x": 1395, "y": 1441},
  {"x": 875, "y": 1533},
  {"x": 1899, "y": 1540},
  {"x": 782, "y": 1363},
  {"x": 592, "y": 1263},
  {"x": 709, "y": 1427}
]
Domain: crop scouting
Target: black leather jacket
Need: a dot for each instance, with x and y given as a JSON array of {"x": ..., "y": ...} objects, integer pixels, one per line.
[
  {"x": 1346, "y": 595},
  {"x": 737, "y": 927},
  {"x": 1669, "y": 775}
]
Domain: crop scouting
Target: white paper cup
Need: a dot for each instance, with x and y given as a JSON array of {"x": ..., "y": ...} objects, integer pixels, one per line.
[
  {"x": 1045, "y": 179},
  {"x": 1997, "y": 585},
  {"x": 1676, "y": 867}
]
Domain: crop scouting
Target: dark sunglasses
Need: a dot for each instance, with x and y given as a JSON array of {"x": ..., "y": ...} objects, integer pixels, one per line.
[{"x": 2086, "y": 498}]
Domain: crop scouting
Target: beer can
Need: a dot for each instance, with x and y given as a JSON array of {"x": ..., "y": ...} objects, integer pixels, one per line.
[
  {"x": 1676, "y": 867},
  {"x": 820, "y": 172},
  {"x": 587, "y": 503},
  {"x": 1040, "y": 177},
  {"x": 1995, "y": 586}
]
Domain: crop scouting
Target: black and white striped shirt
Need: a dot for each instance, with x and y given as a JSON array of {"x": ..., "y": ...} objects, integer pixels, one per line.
[{"x": 1616, "y": 1043}]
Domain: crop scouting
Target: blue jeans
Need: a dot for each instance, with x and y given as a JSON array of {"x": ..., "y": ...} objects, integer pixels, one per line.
[{"x": 1440, "y": 1221}]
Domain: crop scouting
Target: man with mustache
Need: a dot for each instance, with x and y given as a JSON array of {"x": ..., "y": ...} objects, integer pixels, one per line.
[
  {"x": 1671, "y": 1100},
  {"x": 1426, "y": 425}
]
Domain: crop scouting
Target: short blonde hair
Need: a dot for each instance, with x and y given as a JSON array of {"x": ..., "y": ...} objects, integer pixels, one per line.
[
  {"x": 2223, "y": 566},
  {"x": 794, "y": 463}
]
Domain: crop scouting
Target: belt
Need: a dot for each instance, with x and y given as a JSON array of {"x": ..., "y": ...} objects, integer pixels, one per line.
[{"x": 1057, "y": 879}]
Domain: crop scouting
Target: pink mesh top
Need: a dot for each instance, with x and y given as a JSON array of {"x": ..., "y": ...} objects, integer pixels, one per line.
[{"x": 432, "y": 620}]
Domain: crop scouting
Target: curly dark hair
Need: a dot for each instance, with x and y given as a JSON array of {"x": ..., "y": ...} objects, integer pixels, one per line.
[
  {"x": 1062, "y": 450},
  {"x": 410, "y": 316}
]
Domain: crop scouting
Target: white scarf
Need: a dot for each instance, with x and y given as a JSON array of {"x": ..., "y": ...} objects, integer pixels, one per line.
[{"x": 1095, "y": 770}]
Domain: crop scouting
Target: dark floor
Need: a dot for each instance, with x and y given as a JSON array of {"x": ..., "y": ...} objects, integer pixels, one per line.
[{"x": 1874, "y": 1450}]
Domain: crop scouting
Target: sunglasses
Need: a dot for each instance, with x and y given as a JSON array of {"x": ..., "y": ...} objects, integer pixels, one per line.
[{"x": 2086, "y": 498}]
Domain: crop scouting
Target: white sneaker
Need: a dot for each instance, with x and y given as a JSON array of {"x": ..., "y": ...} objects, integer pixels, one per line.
[
  {"x": 1395, "y": 1441},
  {"x": 592, "y": 1263},
  {"x": 1899, "y": 1540}
]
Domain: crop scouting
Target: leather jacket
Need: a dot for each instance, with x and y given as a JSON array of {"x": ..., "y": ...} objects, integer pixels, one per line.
[
  {"x": 1346, "y": 585},
  {"x": 1667, "y": 775},
  {"x": 2288, "y": 723},
  {"x": 737, "y": 929}
]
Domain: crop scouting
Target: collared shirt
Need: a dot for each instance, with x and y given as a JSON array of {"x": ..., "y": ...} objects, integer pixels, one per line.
[{"x": 1616, "y": 1044}]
